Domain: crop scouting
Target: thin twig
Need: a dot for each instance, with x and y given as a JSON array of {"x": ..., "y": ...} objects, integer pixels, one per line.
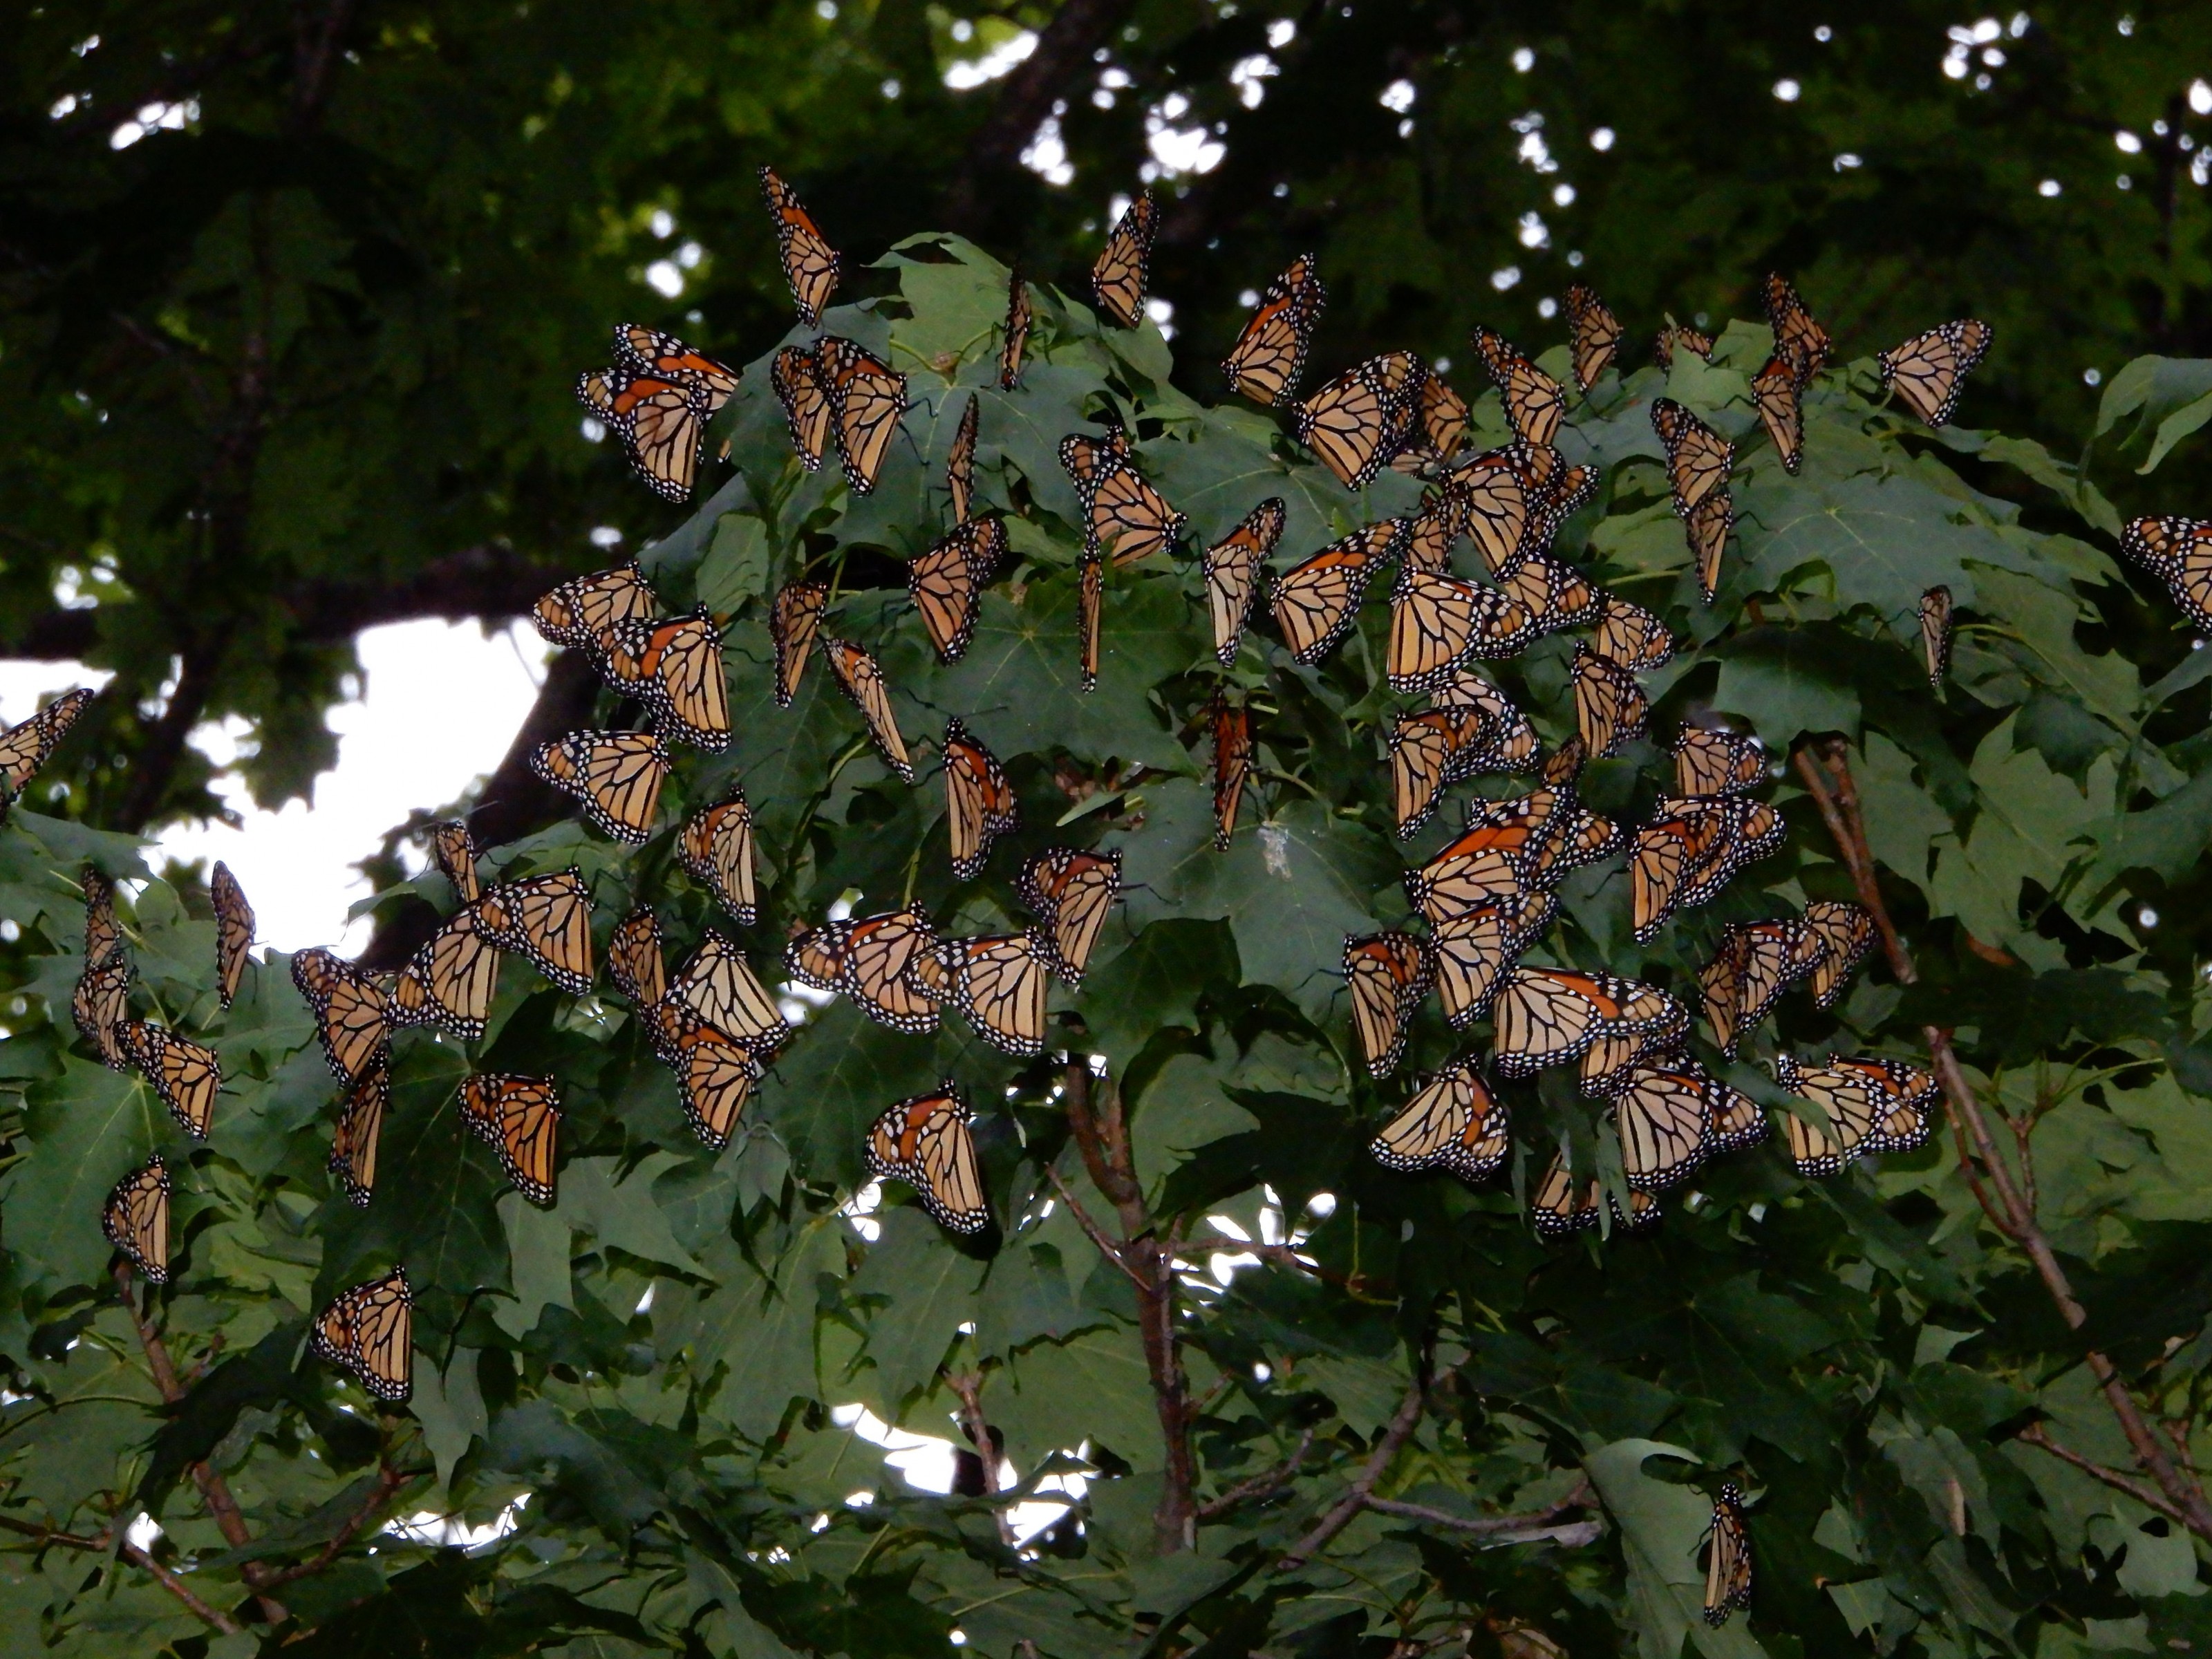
[
  {"x": 1107, "y": 1247},
  {"x": 1484, "y": 1526},
  {"x": 1347, "y": 1508},
  {"x": 169, "y": 1582},
  {"x": 2033, "y": 1435},
  {"x": 389, "y": 1481},
  {"x": 1263, "y": 1485}
]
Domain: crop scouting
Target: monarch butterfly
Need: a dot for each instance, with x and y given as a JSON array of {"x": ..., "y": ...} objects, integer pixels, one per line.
[
  {"x": 234, "y": 930},
  {"x": 1554, "y": 593},
  {"x": 184, "y": 1074},
  {"x": 1535, "y": 402},
  {"x": 1854, "y": 1104},
  {"x": 998, "y": 983},
  {"x": 353, "y": 1018},
  {"x": 1560, "y": 492},
  {"x": 1709, "y": 525},
  {"x": 519, "y": 1118},
  {"x": 1727, "y": 1566},
  {"x": 1776, "y": 392},
  {"x": 1474, "y": 947},
  {"x": 99, "y": 1005},
  {"x": 616, "y": 775},
  {"x": 1453, "y": 1122},
  {"x": 664, "y": 354},
  {"x": 1515, "y": 744},
  {"x": 1549, "y": 1016},
  {"x": 1017, "y": 331},
  {"x": 1630, "y": 636},
  {"x": 1123, "y": 515},
  {"x": 135, "y": 1218},
  {"x": 370, "y": 1332},
  {"x": 716, "y": 848},
  {"x": 1797, "y": 337},
  {"x": 361, "y": 1124},
  {"x": 1270, "y": 355},
  {"x": 1232, "y": 567},
  {"x": 1936, "y": 633},
  {"x": 1609, "y": 706},
  {"x": 960, "y": 462},
  {"x": 1609, "y": 1063},
  {"x": 1662, "y": 1119},
  {"x": 1315, "y": 601},
  {"x": 102, "y": 933},
  {"x": 1689, "y": 839},
  {"x": 450, "y": 981},
  {"x": 1756, "y": 963},
  {"x": 1089, "y": 606},
  {"x": 1490, "y": 861},
  {"x": 1709, "y": 761},
  {"x": 1929, "y": 370},
  {"x": 1070, "y": 892},
  {"x": 635, "y": 960},
  {"x": 1118, "y": 276},
  {"x": 584, "y": 610},
  {"x": 866, "y": 398},
  {"x": 1558, "y": 1208},
  {"x": 868, "y": 959},
  {"x": 1904, "y": 1094},
  {"x": 925, "y": 1142},
  {"x": 1753, "y": 830},
  {"x": 1429, "y": 752},
  {"x": 980, "y": 804},
  {"x": 810, "y": 263},
  {"x": 548, "y": 920},
  {"x": 1496, "y": 509},
  {"x": 946, "y": 583},
  {"x": 675, "y": 667},
  {"x": 455, "y": 852},
  {"x": 861, "y": 679},
  {"x": 1675, "y": 336},
  {"x": 1699, "y": 459},
  {"x": 796, "y": 376},
  {"x": 1438, "y": 621},
  {"x": 792, "y": 621},
  {"x": 661, "y": 421},
  {"x": 1443, "y": 416},
  {"x": 2179, "y": 552},
  {"x": 716, "y": 1073},
  {"x": 815, "y": 957},
  {"x": 1430, "y": 534},
  {"x": 1360, "y": 420},
  {"x": 716, "y": 984},
  {"x": 1734, "y": 1120},
  {"x": 1847, "y": 931},
  {"x": 1389, "y": 974},
  {"x": 1596, "y": 334},
  {"x": 1232, "y": 765},
  {"x": 24, "y": 748}
]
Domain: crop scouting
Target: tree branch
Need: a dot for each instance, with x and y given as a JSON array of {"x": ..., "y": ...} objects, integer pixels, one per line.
[
  {"x": 389, "y": 1482},
  {"x": 169, "y": 1582},
  {"x": 1506, "y": 1529},
  {"x": 1263, "y": 1485},
  {"x": 2034, "y": 1435},
  {"x": 1096, "y": 1234},
  {"x": 1347, "y": 1508}
]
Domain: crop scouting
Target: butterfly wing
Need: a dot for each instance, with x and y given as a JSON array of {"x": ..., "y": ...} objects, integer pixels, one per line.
[
  {"x": 1071, "y": 893},
  {"x": 1609, "y": 706},
  {"x": 1535, "y": 402},
  {"x": 360, "y": 1128},
  {"x": 616, "y": 775},
  {"x": 998, "y": 985},
  {"x": 352, "y": 1014},
  {"x": 810, "y": 263},
  {"x": 1017, "y": 332},
  {"x": 1661, "y": 1117},
  {"x": 926, "y": 1142},
  {"x": 1119, "y": 276},
  {"x": 24, "y": 749},
  {"x": 861, "y": 679},
  {"x": 1389, "y": 974},
  {"x": 1936, "y": 633},
  {"x": 1232, "y": 567},
  {"x": 451, "y": 979},
  {"x": 519, "y": 1119},
  {"x": 979, "y": 800},
  {"x": 1596, "y": 334},
  {"x": 796, "y": 377},
  {"x": 234, "y": 930},
  {"x": 635, "y": 959},
  {"x": 1270, "y": 355},
  {"x": 866, "y": 398},
  {"x": 718, "y": 985},
  {"x": 135, "y": 1219},
  {"x": 548, "y": 920},
  {"x": 716, "y": 848},
  {"x": 585, "y": 610},
  {"x": 1775, "y": 391},
  {"x": 1929, "y": 370},
  {"x": 1232, "y": 765},
  {"x": 793, "y": 619},
  {"x": 1797, "y": 337},
  {"x": 1452, "y": 1123},
  {"x": 960, "y": 463}
]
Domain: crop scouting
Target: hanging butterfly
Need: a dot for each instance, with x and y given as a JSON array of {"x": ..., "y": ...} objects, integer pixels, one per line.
[
  {"x": 1630, "y": 636},
  {"x": 1558, "y": 1209},
  {"x": 1699, "y": 458},
  {"x": 1090, "y": 605},
  {"x": 1797, "y": 337},
  {"x": 1661, "y": 1118},
  {"x": 1535, "y": 402},
  {"x": 716, "y": 848},
  {"x": 1929, "y": 370},
  {"x": 1553, "y": 592},
  {"x": 1473, "y": 949},
  {"x": 810, "y": 263},
  {"x": 1017, "y": 332},
  {"x": 716, "y": 1073},
  {"x": 980, "y": 804},
  {"x": 1453, "y": 1122},
  {"x": 675, "y": 667},
  {"x": 99, "y": 1005},
  {"x": 1505, "y": 854},
  {"x": 1429, "y": 751},
  {"x": 664, "y": 354},
  {"x": 546, "y": 920},
  {"x": 927, "y": 1143},
  {"x": 1691, "y": 841},
  {"x": 861, "y": 679},
  {"x": 792, "y": 621},
  {"x": 135, "y": 1219},
  {"x": 1777, "y": 391},
  {"x": 795, "y": 374},
  {"x": 449, "y": 981},
  {"x": 635, "y": 960},
  {"x": 1936, "y": 633},
  {"x": 234, "y": 930},
  {"x": 1756, "y": 963},
  {"x": 1070, "y": 893},
  {"x": 1754, "y": 830},
  {"x": 370, "y": 1332},
  {"x": 103, "y": 934},
  {"x": 1610, "y": 705},
  {"x": 1119, "y": 276},
  {"x": 866, "y": 398},
  {"x": 584, "y": 610},
  {"x": 960, "y": 462},
  {"x": 1734, "y": 1119},
  {"x": 1122, "y": 514},
  {"x": 1710, "y": 523},
  {"x": 998, "y": 983},
  {"x": 1728, "y": 1565},
  {"x": 454, "y": 850},
  {"x": 1515, "y": 744},
  {"x": 1444, "y": 417},
  {"x": 184, "y": 1074},
  {"x": 1548, "y": 1016},
  {"x": 1389, "y": 974},
  {"x": 1710, "y": 761},
  {"x": 718, "y": 985},
  {"x": 1270, "y": 355},
  {"x": 2179, "y": 552},
  {"x": 616, "y": 775},
  {"x": 662, "y": 423},
  {"x": 1430, "y": 535},
  {"x": 1608, "y": 1063},
  {"x": 24, "y": 748},
  {"x": 1596, "y": 334},
  {"x": 1437, "y": 622},
  {"x": 352, "y": 1015},
  {"x": 1232, "y": 765},
  {"x": 1903, "y": 1095},
  {"x": 946, "y": 583},
  {"x": 1854, "y": 1104},
  {"x": 1496, "y": 509},
  {"x": 1676, "y": 336},
  {"x": 1357, "y": 422},
  {"x": 1847, "y": 931},
  {"x": 519, "y": 1119},
  {"x": 359, "y": 1126},
  {"x": 869, "y": 959},
  {"x": 1316, "y": 601},
  {"x": 1232, "y": 567}
]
